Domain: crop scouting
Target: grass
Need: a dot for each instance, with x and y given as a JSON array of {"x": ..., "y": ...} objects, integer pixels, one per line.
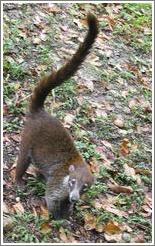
[
  {"x": 36, "y": 186},
  {"x": 137, "y": 19},
  {"x": 87, "y": 149},
  {"x": 23, "y": 230}
]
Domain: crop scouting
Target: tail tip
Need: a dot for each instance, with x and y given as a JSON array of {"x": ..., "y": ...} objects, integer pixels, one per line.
[{"x": 92, "y": 20}]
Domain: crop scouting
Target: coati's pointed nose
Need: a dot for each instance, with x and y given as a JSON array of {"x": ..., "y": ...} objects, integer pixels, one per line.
[{"x": 74, "y": 198}]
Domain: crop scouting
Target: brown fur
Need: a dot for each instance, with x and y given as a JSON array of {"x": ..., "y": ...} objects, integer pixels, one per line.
[{"x": 44, "y": 139}]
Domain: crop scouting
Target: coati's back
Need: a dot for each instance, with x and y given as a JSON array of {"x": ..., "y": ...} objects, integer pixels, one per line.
[{"x": 48, "y": 143}]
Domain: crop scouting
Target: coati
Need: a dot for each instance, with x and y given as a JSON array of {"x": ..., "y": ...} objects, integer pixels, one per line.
[{"x": 48, "y": 144}]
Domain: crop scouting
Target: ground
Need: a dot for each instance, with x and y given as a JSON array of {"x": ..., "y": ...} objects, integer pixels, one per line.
[{"x": 106, "y": 106}]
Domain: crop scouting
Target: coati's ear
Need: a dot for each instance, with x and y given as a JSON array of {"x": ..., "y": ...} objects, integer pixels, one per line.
[{"x": 71, "y": 168}]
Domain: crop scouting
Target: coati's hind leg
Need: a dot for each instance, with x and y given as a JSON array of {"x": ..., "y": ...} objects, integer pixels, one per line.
[{"x": 22, "y": 162}]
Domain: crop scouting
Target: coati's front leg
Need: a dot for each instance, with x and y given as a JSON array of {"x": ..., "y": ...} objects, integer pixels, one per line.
[
  {"x": 22, "y": 162},
  {"x": 57, "y": 202}
]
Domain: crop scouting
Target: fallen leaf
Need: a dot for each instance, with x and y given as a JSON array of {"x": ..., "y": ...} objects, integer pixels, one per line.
[
  {"x": 5, "y": 110},
  {"x": 119, "y": 122},
  {"x": 94, "y": 166},
  {"x": 44, "y": 212},
  {"x": 52, "y": 8},
  {"x": 116, "y": 211},
  {"x": 36, "y": 40},
  {"x": 90, "y": 221},
  {"x": 125, "y": 227},
  {"x": 32, "y": 170},
  {"x": 18, "y": 208},
  {"x": 56, "y": 105},
  {"x": 100, "y": 113},
  {"x": 43, "y": 36},
  {"x": 148, "y": 200},
  {"x": 120, "y": 189},
  {"x": 147, "y": 107},
  {"x": 16, "y": 137},
  {"x": 88, "y": 84},
  {"x": 97, "y": 204},
  {"x": 107, "y": 144},
  {"x": 99, "y": 228},
  {"x": 63, "y": 235},
  {"x": 46, "y": 228},
  {"x": 113, "y": 238},
  {"x": 68, "y": 120},
  {"x": 147, "y": 211},
  {"x": 133, "y": 103},
  {"x": 143, "y": 171},
  {"x": 112, "y": 227},
  {"x": 139, "y": 238},
  {"x": 124, "y": 147},
  {"x": 13, "y": 174},
  {"x": 129, "y": 171}
]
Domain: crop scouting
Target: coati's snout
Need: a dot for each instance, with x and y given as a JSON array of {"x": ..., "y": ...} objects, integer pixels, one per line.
[{"x": 79, "y": 179}]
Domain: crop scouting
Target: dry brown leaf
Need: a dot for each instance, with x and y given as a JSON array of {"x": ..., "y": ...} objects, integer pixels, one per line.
[
  {"x": 56, "y": 105},
  {"x": 100, "y": 113},
  {"x": 68, "y": 120},
  {"x": 34, "y": 211},
  {"x": 143, "y": 171},
  {"x": 107, "y": 144},
  {"x": 119, "y": 122},
  {"x": 90, "y": 221},
  {"x": 147, "y": 107},
  {"x": 148, "y": 200},
  {"x": 99, "y": 228},
  {"x": 32, "y": 170},
  {"x": 13, "y": 174},
  {"x": 124, "y": 147},
  {"x": 112, "y": 227},
  {"x": 36, "y": 40},
  {"x": 129, "y": 171},
  {"x": 107, "y": 163},
  {"x": 147, "y": 211},
  {"x": 63, "y": 235},
  {"x": 113, "y": 238},
  {"x": 133, "y": 103},
  {"x": 44, "y": 212},
  {"x": 94, "y": 166},
  {"x": 139, "y": 238},
  {"x": 86, "y": 84},
  {"x": 115, "y": 211},
  {"x": 97, "y": 204},
  {"x": 52, "y": 8},
  {"x": 125, "y": 93},
  {"x": 46, "y": 228},
  {"x": 125, "y": 227},
  {"x": 18, "y": 208},
  {"x": 120, "y": 189},
  {"x": 16, "y": 137}
]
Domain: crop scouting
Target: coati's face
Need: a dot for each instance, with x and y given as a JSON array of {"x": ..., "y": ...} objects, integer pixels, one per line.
[{"x": 79, "y": 179}]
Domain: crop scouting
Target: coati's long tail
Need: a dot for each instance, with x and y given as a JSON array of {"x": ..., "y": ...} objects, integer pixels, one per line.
[{"x": 57, "y": 78}]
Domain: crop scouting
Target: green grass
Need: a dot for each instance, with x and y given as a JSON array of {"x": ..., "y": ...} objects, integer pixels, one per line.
[
  {"x": 24, "y": 228},
  {"x": 87, "y": 149},
  {"x": 137, "y": 18},
  {"x": 37, "y": 186}
]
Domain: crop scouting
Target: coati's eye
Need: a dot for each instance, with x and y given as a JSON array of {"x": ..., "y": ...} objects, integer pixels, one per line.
[{"x": 72, "y": 182}]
